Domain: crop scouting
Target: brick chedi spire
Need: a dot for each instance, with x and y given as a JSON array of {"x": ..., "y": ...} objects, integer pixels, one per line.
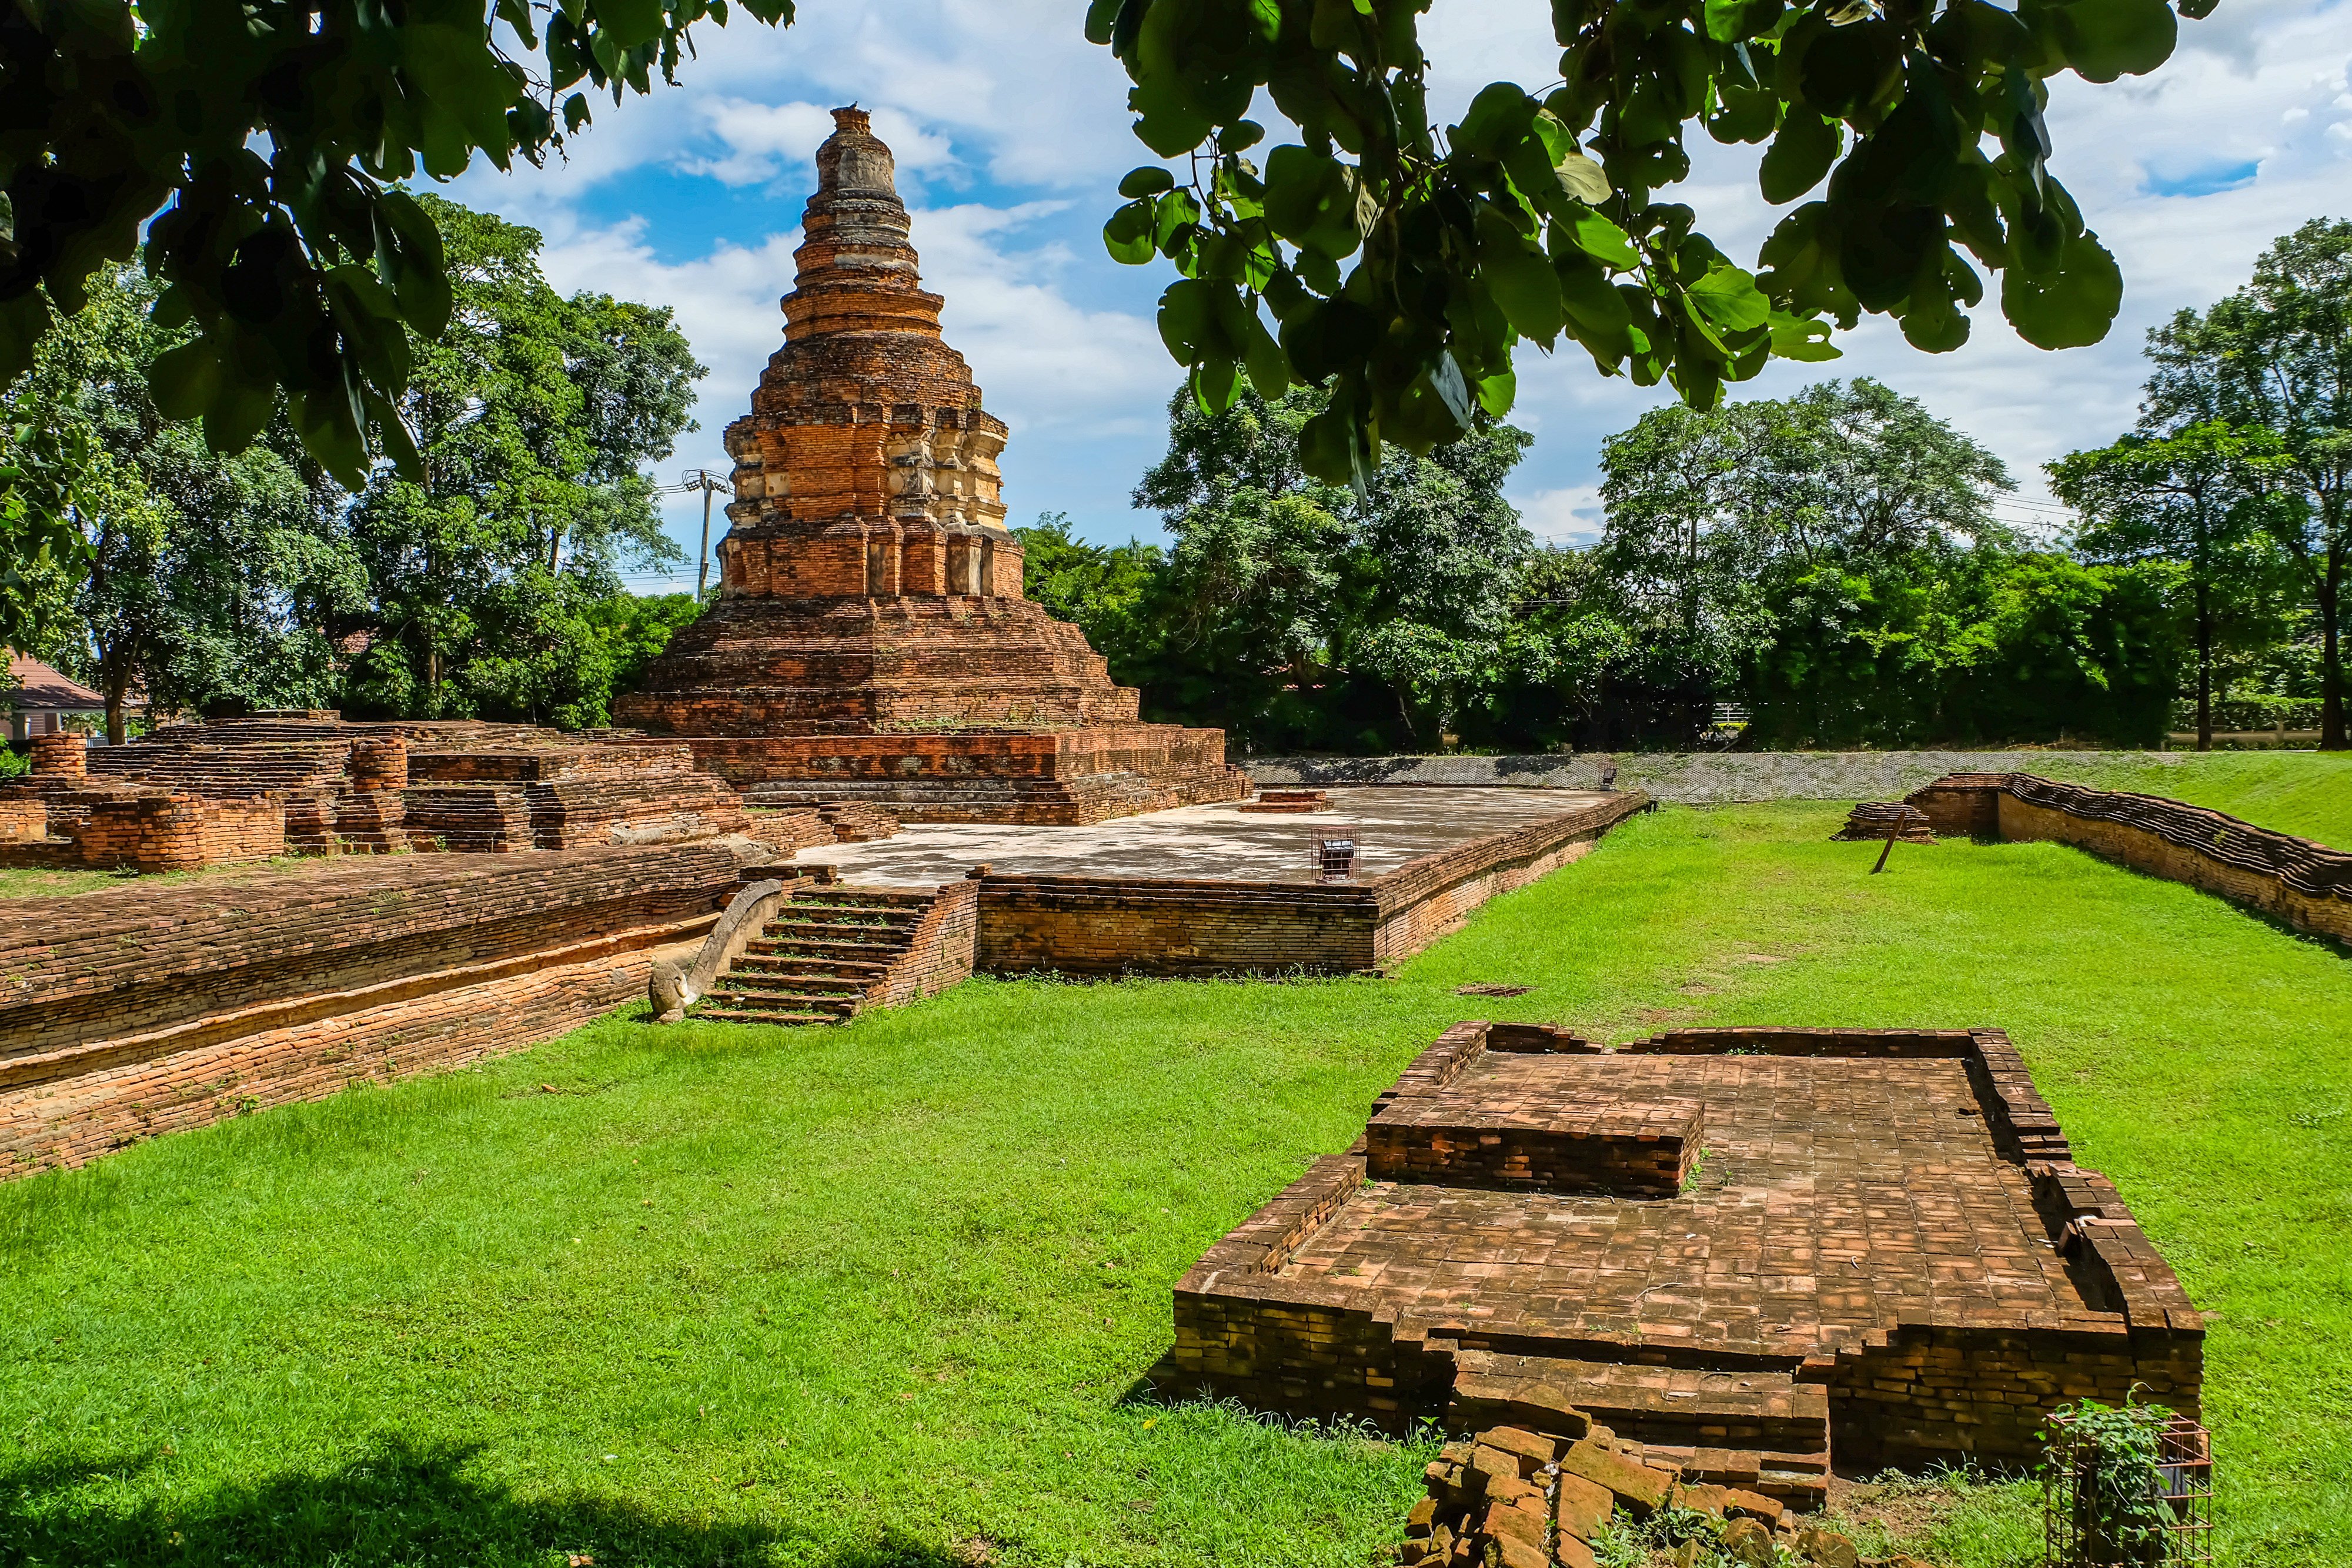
[
  {"x": 867, "y": 468},
  {"x": 869, "y": 585}
]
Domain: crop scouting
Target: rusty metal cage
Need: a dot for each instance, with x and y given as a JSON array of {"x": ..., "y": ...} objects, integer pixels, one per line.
[
  {"x": 1332, "y": 852},
  {"x": 2086, "y": 1524}
]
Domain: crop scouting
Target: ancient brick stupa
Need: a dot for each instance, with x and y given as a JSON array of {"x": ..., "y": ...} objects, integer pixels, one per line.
[{"x": 871, "y": 641}]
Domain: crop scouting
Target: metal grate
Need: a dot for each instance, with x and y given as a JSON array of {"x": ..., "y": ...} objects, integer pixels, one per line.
[
  {"x": 1332, "y": 852},
  {"x": 2084, "y": 1527}
]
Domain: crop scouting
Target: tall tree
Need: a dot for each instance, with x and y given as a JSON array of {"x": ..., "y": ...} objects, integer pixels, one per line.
[
  {"x": 1099, "y": 588},
  {"x": 2278, "y": 353},
  {"x": 2201, "y": 496},
  {"x": 1280, "y": 587},
  {"x": 211, "y": 578},
  {"x": 535, "y": 415},
  {"x": 1712, "y": 517}
]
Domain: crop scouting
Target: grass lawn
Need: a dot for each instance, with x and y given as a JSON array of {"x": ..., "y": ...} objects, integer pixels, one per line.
[{"x": 879, "y": 1294}]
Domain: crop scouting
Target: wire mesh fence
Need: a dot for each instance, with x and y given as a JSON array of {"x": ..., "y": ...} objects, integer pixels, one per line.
[{"x": 2127, "y": 1488}]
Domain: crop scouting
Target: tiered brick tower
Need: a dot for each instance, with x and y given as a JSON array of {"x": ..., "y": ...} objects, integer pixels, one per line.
[{"x": 871, "y": 641}]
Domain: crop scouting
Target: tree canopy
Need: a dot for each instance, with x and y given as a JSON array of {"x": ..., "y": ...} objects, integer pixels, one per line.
[
  {"x": 266, "y": 142},
  {"x": 1542, "y": 216},
  {"x": 1828, "y": 562},
  {"x": 255, "y": 580},
  {"x": 2277, "y": 354},
  {"x": 2202, "y": 497},
  {"x": 534, "y": 413}
]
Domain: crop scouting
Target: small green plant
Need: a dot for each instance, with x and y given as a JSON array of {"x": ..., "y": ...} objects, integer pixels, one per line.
[
  {"x": 1625, "y": 1543},
  {"x": 2105, "y": 1477}
]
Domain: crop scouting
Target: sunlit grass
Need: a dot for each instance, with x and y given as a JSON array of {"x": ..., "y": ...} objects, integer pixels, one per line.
[{"x": 882, "y": 1293}]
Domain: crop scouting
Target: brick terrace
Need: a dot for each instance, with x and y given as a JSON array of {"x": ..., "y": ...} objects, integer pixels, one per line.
[
  {"x": 1215, "y": 842},
  {"x": 1833, "y": 1192},
  {"x": 1884, "y": 1241}
]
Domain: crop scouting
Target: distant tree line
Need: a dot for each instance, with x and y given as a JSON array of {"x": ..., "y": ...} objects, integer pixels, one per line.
[
  {"x": 487, "y": 588},
  {"x": 1829, "y": 566}
]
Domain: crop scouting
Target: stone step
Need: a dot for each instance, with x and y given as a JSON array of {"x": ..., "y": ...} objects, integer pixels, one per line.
[
  {"x": 896, "y": 936},
  {"x": 803, "y": 964},
  {"x": 763, "y": 1002},
  {"x": 758, "y": 984},
  {"x": 866, "y": 897},
  {"x": 728, "y": 1015},
  {"x": 797, "y": 913},
  {"x": 1782, "y": 1424},
  {"x": 815, "y": 947}
]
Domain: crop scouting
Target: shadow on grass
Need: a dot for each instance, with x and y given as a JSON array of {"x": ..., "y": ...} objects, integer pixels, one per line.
[{"x": 399, "y": 1506}]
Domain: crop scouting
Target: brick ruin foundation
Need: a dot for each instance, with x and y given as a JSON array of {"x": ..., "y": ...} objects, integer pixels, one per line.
[
  {"x": 1750, "y": 1253},
  {"x": 243, "y": 790},
  {"x": 2304, "y": 884},
  {"x": 871, "y": 641},
  {"x": 146, "y": 1007}
]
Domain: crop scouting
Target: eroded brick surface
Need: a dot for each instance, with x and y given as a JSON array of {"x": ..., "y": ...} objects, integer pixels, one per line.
[
  {"x": 127, "y": 1010},
  {"x": 870, "y": 587},
  {"x": 1885, "y": 1236}
]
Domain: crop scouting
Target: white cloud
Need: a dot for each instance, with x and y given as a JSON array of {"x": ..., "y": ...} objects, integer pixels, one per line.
[
  {"x": 769, "y": 141},
  {"x": 1570, "y": 516},
  {"x": 1002, "y": 103}
]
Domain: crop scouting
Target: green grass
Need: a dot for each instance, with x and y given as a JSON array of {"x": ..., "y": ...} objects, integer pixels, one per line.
[
  {"x": 2307, "y": 793},
  {"x": 875, "y": 1294}
]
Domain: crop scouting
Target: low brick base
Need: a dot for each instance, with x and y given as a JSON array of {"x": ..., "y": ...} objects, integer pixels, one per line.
[
  {"x": 140, "y": 1087},
  {"x": 2306, "y": 884},
  {"x": 138, "y": 1009},
  {"x": 1885, "y": 1250},
  {"x": 1047, "y": 777}
]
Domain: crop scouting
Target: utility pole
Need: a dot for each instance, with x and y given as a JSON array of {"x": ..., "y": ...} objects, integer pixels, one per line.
[{"x": 709, "y": 484}]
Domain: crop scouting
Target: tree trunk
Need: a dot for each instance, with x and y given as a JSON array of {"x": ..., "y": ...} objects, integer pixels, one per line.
[
  {"x": 114, "y": 728},
  {"x": 2204, "y": 666},
  {"x": 2331, "y": 654}
]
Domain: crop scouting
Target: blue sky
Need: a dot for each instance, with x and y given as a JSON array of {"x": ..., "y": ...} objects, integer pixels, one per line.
[{"x": 1010, "y": 134}]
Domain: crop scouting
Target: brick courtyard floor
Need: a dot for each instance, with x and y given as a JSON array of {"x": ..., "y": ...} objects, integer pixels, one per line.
[
  {"x": 1216, "y": 842},
  {"x": 1832, "y": 1195}
]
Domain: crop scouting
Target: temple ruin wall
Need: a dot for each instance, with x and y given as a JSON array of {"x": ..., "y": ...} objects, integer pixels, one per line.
[
  {"x": 2305, "y": 885},
  {"x": 208, "y": 999},
  {"x": 1108, "y": 926}
]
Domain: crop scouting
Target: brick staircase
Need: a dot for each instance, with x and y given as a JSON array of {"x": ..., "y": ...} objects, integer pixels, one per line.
[
  {"x": 825, "y": 956},
  {"x": 1758, "y": 1428}
]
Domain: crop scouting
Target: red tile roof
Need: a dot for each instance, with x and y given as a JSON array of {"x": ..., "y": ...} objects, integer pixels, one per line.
[{"x": 33, "y": 684}]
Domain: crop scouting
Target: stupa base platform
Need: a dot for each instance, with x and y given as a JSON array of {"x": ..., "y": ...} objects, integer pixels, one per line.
[{"x": 1052, "y": 778}]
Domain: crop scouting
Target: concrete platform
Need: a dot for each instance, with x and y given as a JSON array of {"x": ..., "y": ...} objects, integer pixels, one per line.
[{"x": 1215, "y": 842}]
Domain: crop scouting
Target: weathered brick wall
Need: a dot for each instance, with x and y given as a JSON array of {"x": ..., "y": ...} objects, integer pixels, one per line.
[
  {"x": 1109, "y": 925},
  {"x": 317, "y": 1046},
  {"x": 940, "y": 950},
  {"x": 159, "y": 832},
  {"x": 127, "y": 960},
  {"x": 466, "y": 819},
  {"x": 2305, "y": 885},
  {"x": 1167, "y": 925},
  {"x": 1301, "y": 1349},
  {"x": 1930, "y": 1391},
  {"x": 1633, "y": 1152},
  {"x": 24, "y": 819},
  {"x": 1423, "y": 899},
  {"x": 61, "y": 754}
]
